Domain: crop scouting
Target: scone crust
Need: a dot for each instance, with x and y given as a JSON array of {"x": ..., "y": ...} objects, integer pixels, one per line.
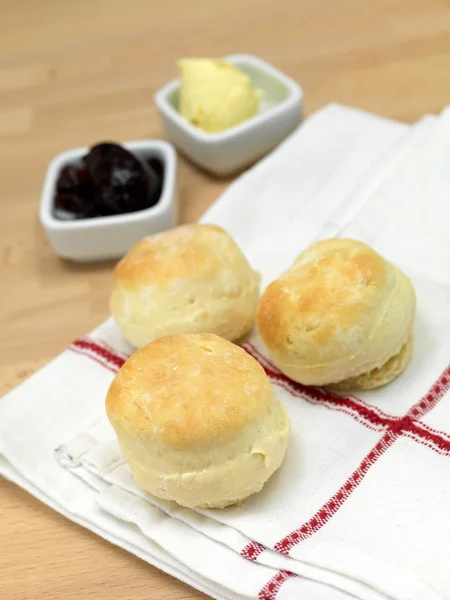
[
  {"x": 340, "y": 310},
  {"x": 380, "y": 376},
  {"x": 197, "y": 420},
  {"x": 190, "y": 279},
  {"x": 181, "y": 252},
  {"x": 189, "y": 391}
]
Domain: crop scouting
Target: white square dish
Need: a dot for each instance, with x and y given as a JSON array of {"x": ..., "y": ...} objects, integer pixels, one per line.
[
  {"x": 101, "y": 238},
  {"x": 228, "y": 151}
]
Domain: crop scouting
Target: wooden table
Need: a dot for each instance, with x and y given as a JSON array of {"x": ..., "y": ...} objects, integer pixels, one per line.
[{"x": 76, "y": 72}]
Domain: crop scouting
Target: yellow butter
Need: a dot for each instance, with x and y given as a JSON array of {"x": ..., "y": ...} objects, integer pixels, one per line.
[{"x": 215, "y": 95}]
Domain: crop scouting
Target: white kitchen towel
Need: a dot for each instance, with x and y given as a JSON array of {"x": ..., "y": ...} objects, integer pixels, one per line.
[
  {"x": 27, "y": 442},
  {"x": 264, "y": 517},
  {"x": 103, "y": 460},
  {"x": 405, "y": 218},
  {"x": 45, "y": 409}
]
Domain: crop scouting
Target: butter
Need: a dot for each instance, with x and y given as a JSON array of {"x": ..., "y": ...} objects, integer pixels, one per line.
[{"x": 215, "y": 95}]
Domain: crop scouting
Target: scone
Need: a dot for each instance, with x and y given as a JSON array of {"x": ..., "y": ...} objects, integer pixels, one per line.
[
  {"x": 197, "y": 420},
  {"x": 341, "y": 315},
  {"x": 190, "y": 279}
]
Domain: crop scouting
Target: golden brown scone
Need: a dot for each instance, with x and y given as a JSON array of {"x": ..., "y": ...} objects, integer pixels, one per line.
[
  {"x": 341, "y": 314},
  {"x": 190, "y": 279},
  {"x": 197, "y": 420}
]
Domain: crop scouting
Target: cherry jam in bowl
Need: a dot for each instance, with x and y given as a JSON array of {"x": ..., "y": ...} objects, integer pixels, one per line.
[{"x": 97, "y": 202}]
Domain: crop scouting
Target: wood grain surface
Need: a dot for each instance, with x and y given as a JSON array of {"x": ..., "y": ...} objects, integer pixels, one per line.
[{"x": 76, "y": 72}]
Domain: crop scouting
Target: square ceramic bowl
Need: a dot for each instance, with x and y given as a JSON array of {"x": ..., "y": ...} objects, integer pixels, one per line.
[
  {"x": 102, "y": 238},
  {"x": 228, "y": 151}
]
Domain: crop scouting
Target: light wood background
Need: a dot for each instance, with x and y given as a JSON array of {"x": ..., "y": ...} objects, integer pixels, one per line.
[{"x": 74, "y": 72}]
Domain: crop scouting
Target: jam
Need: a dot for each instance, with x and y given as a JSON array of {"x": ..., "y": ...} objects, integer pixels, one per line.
[{"x": 110, "y": 180}]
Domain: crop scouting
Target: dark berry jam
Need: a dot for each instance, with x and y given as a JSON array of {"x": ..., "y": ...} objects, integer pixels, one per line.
[{"x": 109, "y": 181}]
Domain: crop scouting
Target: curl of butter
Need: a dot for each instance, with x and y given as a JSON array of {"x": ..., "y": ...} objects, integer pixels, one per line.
[{"x": 215, "y": 95}]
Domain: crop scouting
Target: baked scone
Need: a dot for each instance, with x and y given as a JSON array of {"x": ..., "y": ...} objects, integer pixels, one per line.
[
  {"x": 197, "y": 420},
  {"x": 341, "y": 315},
  {"x": 190, "y": 279}
]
